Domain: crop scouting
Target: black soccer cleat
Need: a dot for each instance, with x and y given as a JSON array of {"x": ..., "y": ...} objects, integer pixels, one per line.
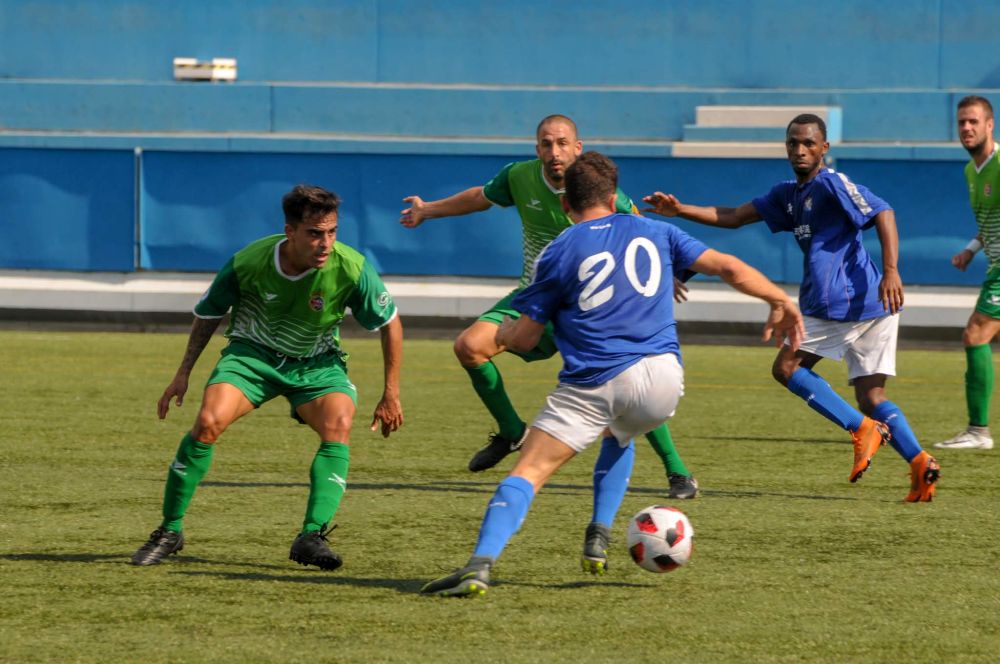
[
  {"x": 161, "y": 543},
  {"x": 312, "y": 549},
  {"x": 595, "y": 549},
  {"x": 497, "y": 447},
  {"x": 469, "y": 581},
  {"x": 682, "y": 487}
]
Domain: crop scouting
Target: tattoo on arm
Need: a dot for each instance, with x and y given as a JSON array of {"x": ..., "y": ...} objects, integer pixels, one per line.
[{"x": 201, "y": 333}]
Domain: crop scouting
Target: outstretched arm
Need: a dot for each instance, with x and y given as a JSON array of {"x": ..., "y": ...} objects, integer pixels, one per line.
[
  {"x": 389, "y": 411},
  {"x": 890, "y": 291},
  {"x": 785, "y": 320},
  {"x": 464, "y": 202},
  {"x": 201, "y": 333},
  {"x": 667, "y": 205}
]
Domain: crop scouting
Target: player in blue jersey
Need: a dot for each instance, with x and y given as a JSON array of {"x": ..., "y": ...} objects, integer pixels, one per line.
[
  {"x": 849, "y": 305},
  {"x": 606, "y": 285}
]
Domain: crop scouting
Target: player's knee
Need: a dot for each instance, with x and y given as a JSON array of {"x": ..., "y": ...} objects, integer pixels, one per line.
[
  {"x": 468, "y": 351},
  {"x": 337, "y": 427},
  {"x": 780, "y": 372},
  {"x": 207, "y": 427}
]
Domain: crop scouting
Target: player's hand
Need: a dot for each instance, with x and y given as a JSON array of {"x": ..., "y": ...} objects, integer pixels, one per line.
[
  {"x": 890, "y": 291},
  {"x": 177, "y": 388},
  {"x": 412, "y": 216},
  {"x": 785, "y": 324},
  {"x": 388, "y": 415},
  {"x": 665, "y": 205},
  {"x": 680, "y": 291},
  {"x": 962, "y": 259}
]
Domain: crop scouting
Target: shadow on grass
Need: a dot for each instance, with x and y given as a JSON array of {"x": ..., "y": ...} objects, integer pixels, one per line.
[
  {"x": 738, "y": 493},
  {"x": 66, "y": 557},
  {"x": 330, "y": 579},
  {"x": 487, "y": 487}
]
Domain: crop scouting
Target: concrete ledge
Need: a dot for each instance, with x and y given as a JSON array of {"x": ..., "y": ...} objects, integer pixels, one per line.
[{"x": 167, "y": 298}]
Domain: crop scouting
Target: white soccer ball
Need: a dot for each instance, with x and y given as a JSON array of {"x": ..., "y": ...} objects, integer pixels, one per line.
[{"x": 660, "y": 538}]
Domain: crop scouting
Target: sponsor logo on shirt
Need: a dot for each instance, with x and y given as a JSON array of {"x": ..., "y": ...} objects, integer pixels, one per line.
[
  {"x": 535, "y": 204},
  {"x": 802, "y": 232},
  {"x": 316, "y": 302}
]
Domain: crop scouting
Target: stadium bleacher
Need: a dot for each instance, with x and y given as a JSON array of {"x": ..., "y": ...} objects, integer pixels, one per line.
[{"x": 147, "y": 181}]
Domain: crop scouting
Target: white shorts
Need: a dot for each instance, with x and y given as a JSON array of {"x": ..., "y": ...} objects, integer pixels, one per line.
[
  {"x": 868, "y": 346},
  {"x": 632, "y": 403}
]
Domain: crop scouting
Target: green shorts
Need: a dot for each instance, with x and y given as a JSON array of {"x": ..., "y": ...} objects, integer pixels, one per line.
[
  {"x": 546, "y": 347},
  {"x": 263, "y": 374},
  {"x": 989, "y": 295}
]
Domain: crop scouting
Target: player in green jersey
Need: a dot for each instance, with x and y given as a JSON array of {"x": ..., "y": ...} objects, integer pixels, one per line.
[
  {"x": 975, "y": 131},
  {"x": 535, "y": 188},
  {"x": 287, "y": 295}
]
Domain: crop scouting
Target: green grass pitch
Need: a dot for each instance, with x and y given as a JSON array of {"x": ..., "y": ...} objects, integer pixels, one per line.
[{"x": 791, "y": 563}]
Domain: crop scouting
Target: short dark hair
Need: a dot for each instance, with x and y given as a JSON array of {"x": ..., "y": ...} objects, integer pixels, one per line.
[
  {"x": 805, "y": 119},
  {"x": 972, "y": 100},
  {"x": 590, "y": 180},
  {"x": 306, "y": 201},
  {"x": 556, "y": 118}
]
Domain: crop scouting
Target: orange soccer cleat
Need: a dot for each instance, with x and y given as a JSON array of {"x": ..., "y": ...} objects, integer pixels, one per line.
[
  {"x": 867, "y": 439},
  {"x": 924, "y": 474}
]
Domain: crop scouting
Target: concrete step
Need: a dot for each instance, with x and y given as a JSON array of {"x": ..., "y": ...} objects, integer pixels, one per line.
[
  {"x": 736, "y": 133},
  {"x": 768, "y": 116}
]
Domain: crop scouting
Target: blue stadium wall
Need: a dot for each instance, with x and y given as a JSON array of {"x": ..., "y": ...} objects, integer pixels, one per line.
[{"x": 107, "y": 164}]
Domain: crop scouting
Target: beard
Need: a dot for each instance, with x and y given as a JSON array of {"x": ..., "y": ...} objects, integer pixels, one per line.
[{"x": 977, "y": 148}]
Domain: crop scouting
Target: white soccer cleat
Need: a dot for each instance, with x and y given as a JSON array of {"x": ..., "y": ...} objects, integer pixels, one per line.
[{"x": 973, "y": 438}]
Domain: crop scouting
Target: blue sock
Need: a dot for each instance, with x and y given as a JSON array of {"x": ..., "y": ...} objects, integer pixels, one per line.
[
  {"x": 820, "y": 397},
  {"x": 611, "y": 475},
  {"x": 903, "y": 439},
  {"x": 504, "y": 515}
]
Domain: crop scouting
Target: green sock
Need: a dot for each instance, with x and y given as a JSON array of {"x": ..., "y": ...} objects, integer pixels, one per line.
[
  {"x": 978, "y": 384},
  {"x": 661, "y": 442},
  {"x": 186, "y": 470},
  {"x": 488, "y": 384},
  {"x": 327, "y": 484}
]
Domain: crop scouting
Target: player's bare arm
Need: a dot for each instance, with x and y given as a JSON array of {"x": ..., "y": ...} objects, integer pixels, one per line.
[
  {"x": 465, "y": 202},
  {"x": 519, "y": 335},
  {"x": 389, "y": 410},
  {"x": 667, "y": 205},
  {"x": 962, "y": 259},
  {"x": 201, "y": 333},
  {"x": 785, "y": 320},
  {"x": 890, "y": 290}
]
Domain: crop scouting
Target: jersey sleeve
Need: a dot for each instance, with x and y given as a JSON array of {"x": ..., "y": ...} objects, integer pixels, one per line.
[
  {"x": 497, "y": 190},
  {"x": 684, "y": 250},
  {"x": 859, "y": 204},
  {"x": 624, "y": 204},
  {"x": 772, "y": 207},
  {"x": 540, "y": 299},
  {"x": 223, "y": 294},
  {"x": 370, "y": 303}
]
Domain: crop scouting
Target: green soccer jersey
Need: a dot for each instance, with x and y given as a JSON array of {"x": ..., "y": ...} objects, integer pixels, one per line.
[
  {"x": 542, "y": 218},
  {"x": 300, "y": 315},
  {"x": 984, "y": 196}
]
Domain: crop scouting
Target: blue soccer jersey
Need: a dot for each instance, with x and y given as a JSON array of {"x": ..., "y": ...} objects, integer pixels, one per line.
[
  {"x": 827, "y": 214},
  {"x": 607, "y": 287}
]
